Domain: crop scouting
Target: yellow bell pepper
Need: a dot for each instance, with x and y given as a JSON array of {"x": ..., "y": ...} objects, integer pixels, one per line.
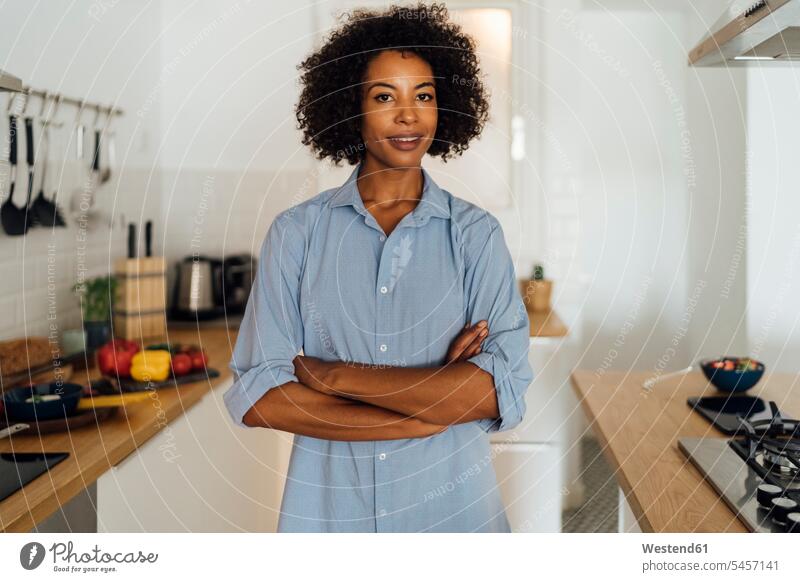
[{"x": 151, "y": 365}]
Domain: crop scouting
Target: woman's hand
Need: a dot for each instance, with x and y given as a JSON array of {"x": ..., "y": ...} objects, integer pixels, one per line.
[
  {"x": 313, "y": 372},
  {"x": 468, "y": 342}
]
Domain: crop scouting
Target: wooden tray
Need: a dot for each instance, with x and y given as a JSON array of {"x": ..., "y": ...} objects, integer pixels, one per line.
[
  {"x": 22, "y": 378},
  {"x": 130, "y": 385},
  {"x": 71, "y": 422}
]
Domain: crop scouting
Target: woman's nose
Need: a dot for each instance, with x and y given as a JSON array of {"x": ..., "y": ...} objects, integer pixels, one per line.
[{"x": 406, "y": 113}]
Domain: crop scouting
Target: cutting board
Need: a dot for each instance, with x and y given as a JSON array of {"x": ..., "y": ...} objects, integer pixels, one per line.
[{"x": 131, "y": 385}]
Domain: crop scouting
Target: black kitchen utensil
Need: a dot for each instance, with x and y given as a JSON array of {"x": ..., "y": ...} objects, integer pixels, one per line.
[
  {"x": 44, "y": 211},
  {"x": 725, "y": 412},
  {"x": 19, "y": 408},
  {"x": 131, "y": 241},
  {"x": 29, "y": 158},
  {"x": 96, "y": 156},
  {"x": 12, "y": 218},
  {"x": 148, "y": 238}
]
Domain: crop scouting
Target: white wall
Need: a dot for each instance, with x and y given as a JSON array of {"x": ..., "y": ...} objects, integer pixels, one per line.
[
  {"x": 718, "y": 258},
  {"x": 634, "y": 216},
  {"x": 636, "y": 164},
  {"x": 231, "y": 156},
  {"x": 773, "y": 227},
  {"x": 108, "y": 56}
]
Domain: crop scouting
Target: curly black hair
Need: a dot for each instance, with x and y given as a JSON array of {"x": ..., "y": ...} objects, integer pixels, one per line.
[{"x": 329, "y": 109}]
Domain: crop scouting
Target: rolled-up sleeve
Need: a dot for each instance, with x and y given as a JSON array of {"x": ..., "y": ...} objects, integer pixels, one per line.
[
  {"x": 271, "y": 332},
  {"x": 492, "y": 294}
]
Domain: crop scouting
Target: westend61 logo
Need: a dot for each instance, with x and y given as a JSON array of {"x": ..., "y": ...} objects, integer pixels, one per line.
[{"x": 65, "y": 559}]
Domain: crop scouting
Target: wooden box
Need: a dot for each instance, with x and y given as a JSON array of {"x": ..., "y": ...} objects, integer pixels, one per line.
[{"x": 140, "y": 303}]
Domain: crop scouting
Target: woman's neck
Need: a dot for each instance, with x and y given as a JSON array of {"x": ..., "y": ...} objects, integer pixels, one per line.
[{"x": 386, "y": 186}]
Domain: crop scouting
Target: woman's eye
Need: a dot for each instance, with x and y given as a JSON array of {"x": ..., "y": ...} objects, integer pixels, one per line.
[{"x": 386, "y": 97}]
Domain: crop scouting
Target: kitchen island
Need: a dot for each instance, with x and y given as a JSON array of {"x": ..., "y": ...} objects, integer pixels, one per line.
[{"x": 638, "y": 431}]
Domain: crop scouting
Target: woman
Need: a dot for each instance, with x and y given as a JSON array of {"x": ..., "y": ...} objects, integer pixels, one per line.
[{"x": 378, "y": 282}]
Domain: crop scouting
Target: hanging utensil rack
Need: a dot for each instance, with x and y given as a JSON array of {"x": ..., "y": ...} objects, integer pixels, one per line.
[{"x": 28, "y": 92}]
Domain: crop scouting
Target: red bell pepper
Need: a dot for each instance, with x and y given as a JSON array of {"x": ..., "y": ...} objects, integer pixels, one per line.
[{"x": 114, "y": 358}]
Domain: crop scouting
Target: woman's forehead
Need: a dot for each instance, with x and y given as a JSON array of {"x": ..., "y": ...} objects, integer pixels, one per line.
[{"x": 392, "y": 65}]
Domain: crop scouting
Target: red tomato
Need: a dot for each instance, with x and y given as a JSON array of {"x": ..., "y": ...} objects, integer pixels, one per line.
[
  {"x": 199, "y": 360},
  {"x": 181, "y": 364}
]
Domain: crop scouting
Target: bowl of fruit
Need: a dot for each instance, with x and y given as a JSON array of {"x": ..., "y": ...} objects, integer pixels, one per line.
[{"x": 733, "y": 374}]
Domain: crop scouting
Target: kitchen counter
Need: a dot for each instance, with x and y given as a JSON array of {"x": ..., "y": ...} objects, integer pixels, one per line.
[
  {"x": 638, "y": 432},
  {"x": 542, "y": 323},
  {"x": 94, "y": 449},
  {"x": 546, "y": 324}
]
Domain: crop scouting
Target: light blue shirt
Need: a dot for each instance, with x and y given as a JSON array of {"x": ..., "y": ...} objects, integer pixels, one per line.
[{"x": 330, "y": 283}]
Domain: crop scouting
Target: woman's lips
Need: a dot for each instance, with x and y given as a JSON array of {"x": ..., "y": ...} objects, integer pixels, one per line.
[{"x": 405, "y": 143}]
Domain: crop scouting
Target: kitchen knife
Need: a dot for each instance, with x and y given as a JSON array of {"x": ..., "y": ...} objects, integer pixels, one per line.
[
  {"x": 131, "y": 241},
  {"x": 148, "y": 238}
]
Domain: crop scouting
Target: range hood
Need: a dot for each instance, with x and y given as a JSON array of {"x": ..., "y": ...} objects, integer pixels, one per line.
[
  {"x": 9, "y": 82},
  {"x": 752, "y": 31}
]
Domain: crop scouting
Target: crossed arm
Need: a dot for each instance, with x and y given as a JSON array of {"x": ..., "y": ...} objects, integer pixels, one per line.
[{"x": 339, "y": 401}]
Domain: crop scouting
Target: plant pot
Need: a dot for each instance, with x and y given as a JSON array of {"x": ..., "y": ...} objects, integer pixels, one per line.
[
  {"x": 97, "y": 333},
  {"x": 536, "y": 294}
]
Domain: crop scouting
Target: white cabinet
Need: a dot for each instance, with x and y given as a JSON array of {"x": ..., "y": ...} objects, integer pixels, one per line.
[
  {"x": 200, "y": 473},
  {"x": 626, "y": 521},
  {"x": 542, "y": 466},
  {"x": 529, "y": 478}
]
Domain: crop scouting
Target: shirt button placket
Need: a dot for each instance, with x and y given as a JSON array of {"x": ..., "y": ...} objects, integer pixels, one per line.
[
  {"x": 382, "y": 328},
  {"x": 381, "y": 476}
]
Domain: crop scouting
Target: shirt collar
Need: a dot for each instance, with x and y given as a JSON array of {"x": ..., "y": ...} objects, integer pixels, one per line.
[{"x": 434, "y": 201}]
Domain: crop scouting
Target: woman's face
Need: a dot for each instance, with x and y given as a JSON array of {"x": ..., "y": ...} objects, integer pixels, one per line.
[{"x": 398, "y": 101}]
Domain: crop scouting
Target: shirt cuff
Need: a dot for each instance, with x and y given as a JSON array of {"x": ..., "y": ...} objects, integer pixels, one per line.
[
  {"x": 506, "y": 400},
  {"x": 250, "y": 386}
]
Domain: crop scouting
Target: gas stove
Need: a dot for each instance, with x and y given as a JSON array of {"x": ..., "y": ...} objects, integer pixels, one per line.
[{"x": 757, "y": 471}]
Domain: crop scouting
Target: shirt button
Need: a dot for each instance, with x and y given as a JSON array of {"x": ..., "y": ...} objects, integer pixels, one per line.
[
  {"x": 383, "y": 238},
  {"x": 383, "y": 347},
  {"x": 382, "y": 512},
  {"x": 384, "y": 289},
  {"x": 382, "y": 456}
]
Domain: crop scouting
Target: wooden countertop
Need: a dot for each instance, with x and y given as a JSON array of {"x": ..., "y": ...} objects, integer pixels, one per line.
[
  {"x": 638, "y": 431},
  {"x": 546, "y": 324},
  {"x": 94, "y": 449}
]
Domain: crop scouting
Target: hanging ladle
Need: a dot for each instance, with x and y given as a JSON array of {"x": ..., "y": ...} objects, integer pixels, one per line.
[
  {"x": 44, "y": 211},
  {"x": 14, "y": 221}
]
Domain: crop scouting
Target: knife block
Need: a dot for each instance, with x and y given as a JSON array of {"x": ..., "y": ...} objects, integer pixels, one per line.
[{"x": 140, "y": 302}]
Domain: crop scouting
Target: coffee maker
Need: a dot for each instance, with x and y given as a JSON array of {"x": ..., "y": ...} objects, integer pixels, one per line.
[{"x": 210, "y": 287}]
